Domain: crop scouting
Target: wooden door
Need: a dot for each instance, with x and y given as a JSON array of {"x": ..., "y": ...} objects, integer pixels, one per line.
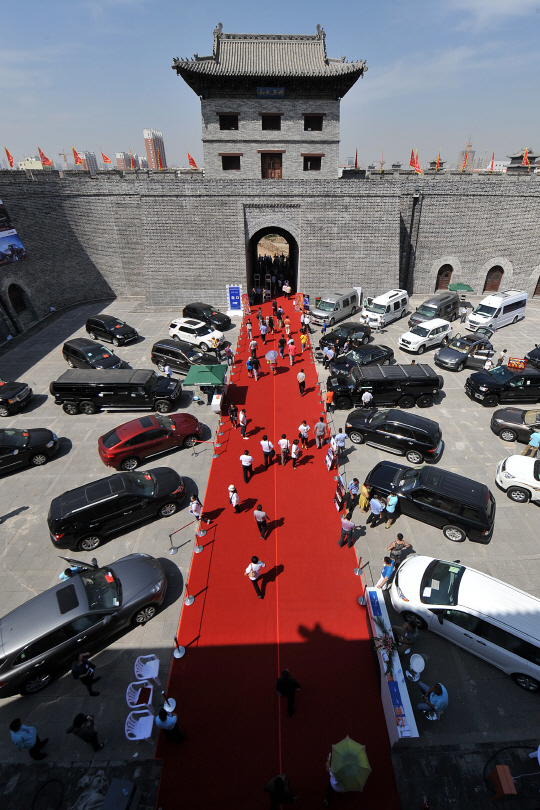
[
  {"x": 443, "y": 277},
  {"x": 271, "y": 166},
  {"x": 493, "y": 279}
]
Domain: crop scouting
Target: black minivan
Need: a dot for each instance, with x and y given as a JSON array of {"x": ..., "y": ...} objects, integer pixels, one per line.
[
  {"x": 397, "y": 431},
  {"x": 179, "y": 355},
  {"x": 462, "y": 508},
  {"x": 501, "y": 384},
  {"x": 207, "y": 314},
  {"x": 107, "y": 327},
  {"x": 84, "y": 353}
]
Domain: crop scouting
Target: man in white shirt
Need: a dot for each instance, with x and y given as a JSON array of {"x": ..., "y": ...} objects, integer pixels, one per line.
[
  {"x": 260, "y": 519},
  {"x": 284, "y": 448},
  {"x": 267, "y": 448},
  {"x": 247, "y": 467},
  {"x": 168, "y": 371},
  {"x": 341, "y": 438},
  {"x": 301, "y": 377},
  {"x": 303, "y": 433},
  {"x": 253, "y": 571},
  {"x": 367, "y": 399}
]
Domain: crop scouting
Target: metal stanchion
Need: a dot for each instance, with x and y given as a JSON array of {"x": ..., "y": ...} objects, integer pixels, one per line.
[
  {"x": 178, "y": 651},
  {"x": 172, "y": 549},
  {"x": 188, "y": 599}
]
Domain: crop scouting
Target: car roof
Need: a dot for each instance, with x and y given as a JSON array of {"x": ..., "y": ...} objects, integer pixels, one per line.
[
  {"x": 348, "y": 325},
  {"x": 82, "y": 341},
  {"x": 109, "y": 318},
  {"x": 440, "y": 296},
  {"x": 454, "y": 485},
  {"x": 136, "y": 426},
  {"x": 137, "y": 376},
  {"x": 435, "y": 323},
  {"x": 200, "y": 304},
  {"x": 416, "y": 371},
  {"x": 188, "y": 322},
  {"x": 412, "y": 419},
  {"x": 80, "y": 498},
  {"x": 170, "y": 343}
]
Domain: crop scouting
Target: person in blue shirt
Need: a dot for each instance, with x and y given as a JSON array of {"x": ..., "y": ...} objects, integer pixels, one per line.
[
  {"x": 534, "y": 444},
  {"x": 353, "y": 496},
  {"x": 25, "y": 738},
  {"x": 391, "y": 505},
  {"x": 70, "y": 572},
  {"x": 169, "y": 725},
  {"x": 435, "y": 700},
  {"x": 386, "y": 572}
]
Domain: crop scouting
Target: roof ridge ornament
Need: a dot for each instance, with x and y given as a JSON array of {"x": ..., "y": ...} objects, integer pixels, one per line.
[{"x": 218, "y": 30}]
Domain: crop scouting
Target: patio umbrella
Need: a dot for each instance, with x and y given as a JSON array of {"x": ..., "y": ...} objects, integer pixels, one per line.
[
  {"x": 460, "y": 287},
  {"x": 350, "y": 765},
  {"x": 271, "y": 356},
  {"x": 206, "y": 375}
]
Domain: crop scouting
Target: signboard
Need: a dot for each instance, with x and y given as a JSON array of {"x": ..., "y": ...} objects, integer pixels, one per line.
[
  {"x": 246, "y": 309},
  {"x": 329, "y": 458},
  {"x": 516, "y": 363},
  {"x": 11, "y": 247},
  {"x": 270, "y": 92},
  {"x": 339, "y": 497},
  {"x": 299, "y": 302},
  {"x": 234, "y": 297}
]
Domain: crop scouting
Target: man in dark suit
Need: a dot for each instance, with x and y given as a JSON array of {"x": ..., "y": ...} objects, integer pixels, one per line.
[{"x": 287, "y": 687}]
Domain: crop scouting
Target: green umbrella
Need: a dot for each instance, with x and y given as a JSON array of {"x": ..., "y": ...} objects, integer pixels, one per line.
[
  {"x": 460, "y": 287},
  {"x": 350, "y": 765},
  {"x": 205, "y": 375}
]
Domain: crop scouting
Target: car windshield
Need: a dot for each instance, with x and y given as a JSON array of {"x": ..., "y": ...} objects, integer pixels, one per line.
[
  {"x": 427, "y": 310},
  {"x": 326, "y": 306},
  {"x": 354, "y": 357},
  {"x": 440, "y": 583},
  {"x": 143, "y": 483},
  {"x": 379, "y": 309},
  {"x": 208, "y": 311},
  {"x": 530, "y": 418},
  {"x": 152, "y": 382},
  {"x": 192, "y": 354},
  {"x": 500, "y": 374},
  {"x": 481, "y": 309},
  {"x": 102, "y": 588},
  {"x": 341, "y": 331},
  {"x": 420, "y": 330},
  {"x": 14, "y": 438},
  {"x": 110, "y": 439},
  {"x": 165, "y": 422},
  {"x": 99, "y": 353},
  {"x": 200, "y": 331},
  {"x": 459, "y": 345},
  {"x": 408, "y": 479},
  {"x": 379, "y": 416}
]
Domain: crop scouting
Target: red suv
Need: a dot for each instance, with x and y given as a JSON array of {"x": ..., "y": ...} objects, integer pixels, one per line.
[{"x": 125, "y": 447}]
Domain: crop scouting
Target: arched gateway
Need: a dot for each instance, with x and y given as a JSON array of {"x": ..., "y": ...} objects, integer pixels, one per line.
[{"x": 271, "y": 258}]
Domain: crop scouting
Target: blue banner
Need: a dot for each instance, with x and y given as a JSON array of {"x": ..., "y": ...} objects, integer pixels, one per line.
[{"x": 235, "y": 296}]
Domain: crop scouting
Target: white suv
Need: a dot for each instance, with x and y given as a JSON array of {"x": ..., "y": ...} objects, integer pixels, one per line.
[
  {"x": 195, "y": 332},
  {"x": 425, "y": 335},
  {"x": 519, "y": 476}
]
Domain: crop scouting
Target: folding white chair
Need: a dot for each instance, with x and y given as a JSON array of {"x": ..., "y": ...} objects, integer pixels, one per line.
[
  {"x": 139, "y": 726},
  {"x": 147, "y": 668},
  {"x": 136, "y": 700}
]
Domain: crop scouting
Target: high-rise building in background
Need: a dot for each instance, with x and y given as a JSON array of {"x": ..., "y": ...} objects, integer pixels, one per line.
[
  {"x": 469, "y": 151},
  {"x": 88, "y": 162},
  {"x": 33, "y": 162},
  {"x": 123, "y": 160},
  {"x": 153, "y": 141},
  {"x": 143, "y": 162}
]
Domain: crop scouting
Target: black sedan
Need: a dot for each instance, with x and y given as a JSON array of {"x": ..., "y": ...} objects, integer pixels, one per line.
[
  {"x": 514, "y": 424},
  {"x": 84, "y": 353},
  {"x": 533, "y": 357},
  {"x": 362, "y": 356},
  {"x": 41, "y": 636},
  {"x": 207, "y": 314},
  {"x": 397, "y": 431},
  {"x": 20, "y": 448},
  {"x": 353, "y": 332}
]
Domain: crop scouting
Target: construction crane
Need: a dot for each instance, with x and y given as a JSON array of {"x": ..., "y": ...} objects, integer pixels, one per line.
[{"x": 63, "y": 154}]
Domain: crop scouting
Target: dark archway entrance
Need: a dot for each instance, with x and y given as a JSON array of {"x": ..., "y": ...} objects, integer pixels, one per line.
[
  {"x": 16, "y": 299},
  {"x": 493, "y": 279},
  {"x": 536, "y": 293},
  {"x": 443, "y": 277},
  {"x": 270, "y": 261}
]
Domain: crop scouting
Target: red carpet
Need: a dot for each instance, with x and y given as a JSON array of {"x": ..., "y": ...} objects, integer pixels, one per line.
[{"x": 238, "y": 732}]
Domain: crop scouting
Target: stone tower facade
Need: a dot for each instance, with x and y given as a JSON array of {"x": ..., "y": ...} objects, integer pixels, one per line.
[{"x": 270, "y": 105}]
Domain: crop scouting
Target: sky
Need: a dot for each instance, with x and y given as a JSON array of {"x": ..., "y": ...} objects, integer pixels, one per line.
[{"x": 92, "y": 74}]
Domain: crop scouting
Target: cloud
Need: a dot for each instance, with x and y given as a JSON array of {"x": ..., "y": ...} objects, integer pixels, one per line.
[
  {"x": 25, "y": 68},
  {"x": 487, "y": 13}
]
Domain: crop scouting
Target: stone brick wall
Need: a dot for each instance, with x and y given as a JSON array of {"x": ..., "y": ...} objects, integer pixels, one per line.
[{"x": 250, "y": 137}]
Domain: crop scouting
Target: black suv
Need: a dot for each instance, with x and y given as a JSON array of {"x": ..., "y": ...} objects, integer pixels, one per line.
[
  {"x": 89, "y": 391},
  {"x": 353, "y": 332},
  {"x": 361, "y": 356},
  {"x": 533, "y": 357},
  {"x": 42, "y": 635},
  {"x": 392, "y": 385},
  {"x": 462, "y": 508},
  {"x": 84, "y": 353},
  {"x": 397, "y": 431},
  {"x": 19, "y": 448},
  {"x": 14, "y": 396},
  {"x": 207, "y": 314},
  {"x": 107, "y": 327},
  {"x": 81, "y": 517},
  {"x": 501, "y": 384},
  {"x": 467, "y": 350},
  {"x": 179, "y": 355}
]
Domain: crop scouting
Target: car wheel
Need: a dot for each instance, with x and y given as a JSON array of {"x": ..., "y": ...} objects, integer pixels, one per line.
[
  {"x": 421, "y": 350},
  {"x": 90, "y": 542},
  {"x": 70, "y": 363},
  {"x": 343, "y": 402},
  {"x": 203, "y": 347},
  {"x": 92, "y": 335},
  {"x": 35, "y": 684},
  {"x": 526, "y": 682},
  {"x": 516, "y": 319},
  {"x": 406, "y": 401},
  {"x": 414, "y": 618},
  {"x": 518, "y": 495},
  {"x": 38, "y": 460},
  {"x": 356, "y": 437},
  {"x": 168, "y": 509},
  {"x": 144, "y": 615},
  {"x": 189, "y": 441},
  {"x": 353, "y": 311},
  {"x": 385, "y": 362},
  {"x": 331, "y": 322},
  {"x": 161, "y": 366},
  {"x": 71, "y": 408},
  {"x": 414, "y": 456},
  {"x": 508, "y": 435},
  {"x": 454, "y": 533},
  {"x": 453, "y": 318},
  {"x": 491, "y": 401},
  {"x": 87, "y": 408},
  {"x": 460, "y": 367},
  {"x": 365, "y": 340},
  {"x": 129, "y": 464},
  {"x": 175, "y": 337},
  {"x": 424, "y": 401},
  {"x": 162, "y": 406},
  {"x": 4, "y": 410},
  {"x": 403, "y": 313},
  {"x": 116, "y": 342}
]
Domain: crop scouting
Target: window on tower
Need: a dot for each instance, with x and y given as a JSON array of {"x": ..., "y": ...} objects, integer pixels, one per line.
[
  {"x": 228, "y": 122},
  {"x": 313, "y": 123},
  {"x": 230, "y": 163},
  {"x": 271, "y": 122},
  {"x": 312, "y": 163}
]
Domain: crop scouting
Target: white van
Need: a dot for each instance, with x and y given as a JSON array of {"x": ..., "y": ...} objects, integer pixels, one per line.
[
  {"x": 384, "y": 309},
  {"x": 424, "y": 335},
  {"x": 498, "y": 310},
  {"x": 485, "y": 616},
  {"x": 336, "y": 306}
]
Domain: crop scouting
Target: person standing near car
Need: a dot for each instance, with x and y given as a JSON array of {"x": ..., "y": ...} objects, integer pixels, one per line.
[
  {"x": 391, "y": 507},
  {"x": 215, "y": 348},
  {"x": 25, "y": 738},
  {"x": 367, "y": 399},
  {"x": 341, "y": 438},
  {"x": 83, "y": 670},
  {"x": 353, "y": 495},
  {"x": 347, "y": 529},
  {"x": 502, "y": 357},
  {"x": 329, "y": 401},
  {"x": 229, "y": 355},
  {"x": 398, "y": 549},
  {"x": 330, "y": 353},
  {"x": 386, "y": 573},
  {"x": 532, "y": 448},
  {"x": 195, "y": 507},
  {"x": 462, "y": 313},
  {"x": 83, "y": 728},
  {"x": 268, "y": 450},
  {"x": 376, "y": 509}
]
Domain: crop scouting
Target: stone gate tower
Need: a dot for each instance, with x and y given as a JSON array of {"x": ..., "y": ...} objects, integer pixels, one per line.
[{"x": 270, "y": 105}]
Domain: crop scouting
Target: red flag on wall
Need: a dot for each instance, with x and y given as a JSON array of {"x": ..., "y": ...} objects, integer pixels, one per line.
[
  {"x": 9, "y": 157},
  {"x": 465, "y": 161},
  {"x": 438, "y": 161},
  {"x": 159, "y": 161},
  {"x": 105, "y": 158},
  {"x": 492, "y": 162},
  {"x": 76, "y": 157},
  {"x": 417, "y": 168},
  {"x": 525, "y": 161},
  {"x": 412, "y": 161},
  {"x": 191, "y": 162},
  {"x": 356, "y": 161},
  {"x": 132, "y": 162},
  {"x": 44, "y": 160}
]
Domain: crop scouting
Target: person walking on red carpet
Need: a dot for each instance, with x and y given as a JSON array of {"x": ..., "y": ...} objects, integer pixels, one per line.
[
  {"x": 279, "y": 791},
  {"x": 253, "y": 571},
  {"x": 260, "y": 519},
  {"x": 287, "y": 325},
  {"x": 253, "y": 347},
  {"x": 233, "y": 415},
  {"x": 292, "y": 351},
  {"x": 242, "y": 421},
  {"x": 347, "y": 529},
  {"x": 303, "y": 341},
  {"x": 284, "y": 446},
  {"x": 295, "y": 453},
  {"x": 234, "y": 498},
  {"x": 303, "y": 433},
  {"x": 249, "y": 328},
  {"x": 264, "y": 330},
  {"x": 333, "y": 784},
  {"x": 247, "y": 466},
  {"x": 281, "y": 346},
  {"x": 287, "y": 687},
  {"x": 301, "y": 377},
  {"x": 256, "y": 365},
  {"x": 268, "y": 450},
  {"x": 320, "y": 432}
]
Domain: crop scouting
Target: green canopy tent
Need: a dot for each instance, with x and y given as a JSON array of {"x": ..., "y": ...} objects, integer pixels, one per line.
[{"x": 206, "y": 375}]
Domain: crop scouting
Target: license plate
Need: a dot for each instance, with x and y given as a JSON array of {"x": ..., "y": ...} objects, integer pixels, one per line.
[{"x": 478, "y": 396}]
